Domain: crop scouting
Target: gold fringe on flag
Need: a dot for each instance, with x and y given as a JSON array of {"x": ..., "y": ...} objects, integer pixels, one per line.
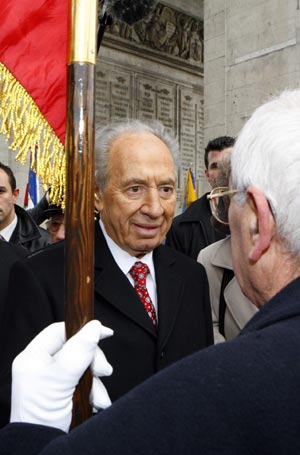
[{"x": 25, "y": 128}]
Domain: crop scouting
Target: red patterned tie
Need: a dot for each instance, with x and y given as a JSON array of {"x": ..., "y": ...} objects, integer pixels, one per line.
[{"x": 139, "y": 272}]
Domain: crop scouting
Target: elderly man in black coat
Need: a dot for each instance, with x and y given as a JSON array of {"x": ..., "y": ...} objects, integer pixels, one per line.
[{"x": 135, "y": 195}]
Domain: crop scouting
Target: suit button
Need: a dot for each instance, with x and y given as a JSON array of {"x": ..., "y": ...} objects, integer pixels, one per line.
[{"x": 162, "y": 355}]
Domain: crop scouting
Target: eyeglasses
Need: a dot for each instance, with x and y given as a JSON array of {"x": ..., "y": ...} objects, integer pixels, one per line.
[
  {"x": 54, "y": 225},
  {"x": 219, "y": 201}
]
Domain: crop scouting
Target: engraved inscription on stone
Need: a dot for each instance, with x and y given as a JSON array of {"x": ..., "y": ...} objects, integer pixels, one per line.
[
  {"x": 187, "y": 129},
  {"x": 190, "y": 133},
  {"x": 120, "y": 99},
  {"x": 146, "y": 99},
  {"x": 113, "y": 95},
  {"x": 199, "y": 166},
  {"x": 166, "y": 103},
  {"x": 103, "y": 97},
  {"x": 156, "y": 100}
]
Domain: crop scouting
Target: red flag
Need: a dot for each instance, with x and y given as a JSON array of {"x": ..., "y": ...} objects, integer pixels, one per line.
[
  {"x": 33, "y": 71},
  {"x": 26, "y": 197}
]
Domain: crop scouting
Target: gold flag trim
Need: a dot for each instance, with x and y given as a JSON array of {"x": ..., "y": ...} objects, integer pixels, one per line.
[{"x": 25, "y": 128}]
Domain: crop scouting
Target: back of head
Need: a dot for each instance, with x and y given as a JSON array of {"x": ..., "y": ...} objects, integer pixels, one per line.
[
  {"x": 267, "y": 155},
  {"x": 105, "y": 137}
]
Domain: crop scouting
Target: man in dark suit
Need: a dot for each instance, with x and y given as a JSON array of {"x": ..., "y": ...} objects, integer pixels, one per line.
[
  {"x": 16, "y": 225},
  {"x": 238, "y": 397},
  {"x": 135, "y": 195},
  {"x": 192, "y": 230},
  {"x": 9, "y": 253}
]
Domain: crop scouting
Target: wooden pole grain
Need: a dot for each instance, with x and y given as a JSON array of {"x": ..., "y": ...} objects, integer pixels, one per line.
[{"x": 79, "y": 212}]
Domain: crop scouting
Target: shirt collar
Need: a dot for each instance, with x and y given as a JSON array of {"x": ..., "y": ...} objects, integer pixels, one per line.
[
  {"x": 124, "y": 260},
  {"x": 8, "y": 230}
]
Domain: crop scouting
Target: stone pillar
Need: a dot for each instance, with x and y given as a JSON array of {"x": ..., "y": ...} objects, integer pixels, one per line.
[{"x": 251, "y": 52}]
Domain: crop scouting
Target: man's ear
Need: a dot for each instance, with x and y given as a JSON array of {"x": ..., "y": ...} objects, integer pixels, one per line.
[
  {"x": 16, "y": 193},
  {"x": 206, "y": 175},
  {"x": 261, "y": 223},
  {"x": 98, "y": 199}
]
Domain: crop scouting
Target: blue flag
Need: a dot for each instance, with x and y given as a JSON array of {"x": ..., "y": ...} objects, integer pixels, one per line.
[{"x": 31, "y": 193}]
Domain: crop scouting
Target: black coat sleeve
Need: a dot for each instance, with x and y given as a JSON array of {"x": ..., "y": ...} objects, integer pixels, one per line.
[{"x": 22, "y": 320}]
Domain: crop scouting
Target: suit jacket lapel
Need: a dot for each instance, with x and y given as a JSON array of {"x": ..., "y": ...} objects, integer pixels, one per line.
[
  {"x": 170, "y": 287},
  {"x": 111, "y": 284}
]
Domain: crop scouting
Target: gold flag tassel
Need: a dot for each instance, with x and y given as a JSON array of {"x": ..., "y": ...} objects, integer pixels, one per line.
[{"x": 25, "y": 128}]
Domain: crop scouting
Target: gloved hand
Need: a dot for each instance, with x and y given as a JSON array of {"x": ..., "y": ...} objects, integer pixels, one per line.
[{"x": 45, "y": 374}]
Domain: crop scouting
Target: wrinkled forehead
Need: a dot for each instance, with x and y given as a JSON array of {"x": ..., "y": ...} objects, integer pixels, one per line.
[{"x": 141, "y": 150}]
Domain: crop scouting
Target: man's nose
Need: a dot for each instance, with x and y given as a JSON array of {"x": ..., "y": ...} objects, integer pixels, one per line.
[
  {"x": 152, "y": 203},
  {"x": 60, "y": 234}
]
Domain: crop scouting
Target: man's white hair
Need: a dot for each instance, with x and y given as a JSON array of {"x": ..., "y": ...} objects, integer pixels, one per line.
[
  {"x": 105, "y": 136},
  {"x": 267, "y": 155}
]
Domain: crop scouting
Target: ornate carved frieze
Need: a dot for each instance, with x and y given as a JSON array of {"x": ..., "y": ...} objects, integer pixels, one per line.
[{"x": 165, "y": 32}]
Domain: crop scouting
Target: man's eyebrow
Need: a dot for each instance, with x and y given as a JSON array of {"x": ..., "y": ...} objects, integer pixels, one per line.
[
  {"x": 134, "y": 181},
  {"x": 138, "y": 181},
  {"x": 3, "y": 188},
  {"x": 168, "y": 182}
]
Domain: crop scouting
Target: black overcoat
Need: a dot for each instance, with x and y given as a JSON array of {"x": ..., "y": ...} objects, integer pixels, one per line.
[{"x": 137, "y": 350}]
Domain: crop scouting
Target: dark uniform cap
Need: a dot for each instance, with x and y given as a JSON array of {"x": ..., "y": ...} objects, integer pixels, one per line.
[{"x": 53, "y": 210}]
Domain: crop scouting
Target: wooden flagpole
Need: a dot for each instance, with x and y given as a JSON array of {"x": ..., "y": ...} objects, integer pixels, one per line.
[{"x": 79, "y": 212}]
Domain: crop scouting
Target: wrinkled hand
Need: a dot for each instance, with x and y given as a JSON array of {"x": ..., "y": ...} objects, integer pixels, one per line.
[{"x": 45, "y": 374}]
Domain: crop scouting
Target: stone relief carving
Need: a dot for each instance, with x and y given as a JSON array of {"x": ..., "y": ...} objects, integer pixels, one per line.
[{"x": 166, "y": 30}]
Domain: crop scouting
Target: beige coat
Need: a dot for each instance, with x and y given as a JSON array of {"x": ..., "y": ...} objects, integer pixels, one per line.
[{"x": 215, "y": 258}]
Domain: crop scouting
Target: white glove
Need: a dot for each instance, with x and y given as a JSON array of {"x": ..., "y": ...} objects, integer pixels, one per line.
[{"x": 45, "y": 374}]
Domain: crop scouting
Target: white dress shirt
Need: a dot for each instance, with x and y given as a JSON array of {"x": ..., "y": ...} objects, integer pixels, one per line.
[
  {"x": 125, "y": 261},
  {"x": 8, "y": 230}
]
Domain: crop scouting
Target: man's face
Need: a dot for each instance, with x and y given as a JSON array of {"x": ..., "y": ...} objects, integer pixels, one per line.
[
  {"x": 138, "y": 204},
  {"x": 8, "y": 199},
  {"x": 214, "y": 158},
  {"x": 56, "y": 227}
]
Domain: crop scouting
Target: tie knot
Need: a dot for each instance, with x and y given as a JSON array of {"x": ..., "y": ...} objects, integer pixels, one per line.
[{"x": 139, "y": 271}]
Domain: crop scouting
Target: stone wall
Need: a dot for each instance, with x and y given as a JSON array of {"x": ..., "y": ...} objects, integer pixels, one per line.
[{"x": 251, "y": 52}]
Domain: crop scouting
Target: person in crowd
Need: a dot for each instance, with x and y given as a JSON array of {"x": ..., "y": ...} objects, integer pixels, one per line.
[
  {"x": 192, "y": 230},
  {"x": 231, "y": 309},
  {"x": 155, "y": 299},
  {"x": 44, "y": 210},
  {"x": 37, "y": 212},
  {"x": 238, "y": 397},
  {"x": 56, "y": 223},
  {"x": 16, "y": 225},
  {"x": 9, "y": 253}
]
